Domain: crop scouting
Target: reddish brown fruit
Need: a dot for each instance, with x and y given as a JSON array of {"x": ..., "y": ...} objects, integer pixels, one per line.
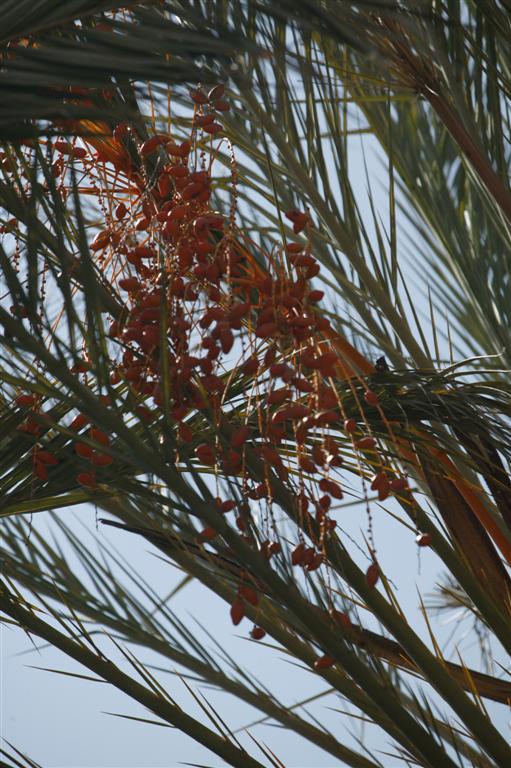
[
  {"x": 114, "y": 329},
  {"x": 202, "y": 120},
  {"x": 279, "y": 369},
  {"x": 40, "y": 470},
  {"x": 297, "y": 554},
  {"x": 191, "y": 191},
  {"x": 82, "y": 366},
  {"x": 101, "y": 460},
  {"x": 152, "y": 144},
  {"x": 145, "y": 252},
  {"x": 270, "y": 455},
  {"x": 322, "y": 324},
  {"x": 239, "y": 311},
  {"x": 237, "y": 611},
  {"x": 120, "y": 211},
  {"x": 266, "y": 330},
  {"x": 325, "y": 502},
  {"x": 199, "y": 97},
  {"x": 372, "y": 575},
  {"x": 26, "y": 401},
  {"x": 221, "y": 106},
  {"x": 302, "y": 385},
  {"x": 56, "y": 168},
  {"x": 249, "y": 594},
  {"x": 259, "y": 492},
  {"x": 18, "y": 311},
  {"x": 205, "y": 454},
  {"x": 181, "y": 150},
  {"x": 318, "y": 455},
  {"x": 302, "y": 504},
  {"x": 45, "y": 457},
  {"x": 424, "y": 539},
  {"x": 29, "y": 427},
  {"x": 79, "y": 422},
  {"x": 278, "y": 396},
  {"x": 371, "y": 398},
  {"x": 316, "y": 562},
  {"x": 350, "y": 426},
  {"x": 185, "y": 433},
  {"x": 207, "y": 534},
  {"x": 366, "y": 443},
  {"x": 143, "y": 412},
  {"x": 308, "y": 556},
  {"x": 120, "y": 131},
  {"x": 87, "y": 479},
  {"x": 299, "y": 220},
  {"x": 239, "y": 437},
  {"x": 257, "y": 633},
  {"x": 177, "y": 171},
  {"x": 64, "y": 147},
  {"x": 213, "y": 128},
  {"x": 129, "y": 284},
  {"x": 377, "y": 480},
  {"x": 101, "y": 240},
  {"x": 324, "y": 662},
  {"x": 142, "y": 224},
  {"x": 399, "y": 484},
  {"x": 99, "y": 436},
  {"x": 250, "y": 366},
  {"x": 331, "y": 487},
  {"x": 216, "y": 92},
  {"x": 306, "y": 464},
  {"x": 83, "y": 450},
  {"x": 340, "y": 618}
]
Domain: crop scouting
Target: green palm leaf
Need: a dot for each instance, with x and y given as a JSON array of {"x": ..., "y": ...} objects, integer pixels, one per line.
[{"x": 430, "y": 84}]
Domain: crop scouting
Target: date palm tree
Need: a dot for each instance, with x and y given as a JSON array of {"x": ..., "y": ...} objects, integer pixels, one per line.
[{"x": 255, "y": 311}]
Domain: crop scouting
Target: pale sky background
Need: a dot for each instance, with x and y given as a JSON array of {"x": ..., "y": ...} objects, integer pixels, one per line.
[{"x": 61, "y": 723}]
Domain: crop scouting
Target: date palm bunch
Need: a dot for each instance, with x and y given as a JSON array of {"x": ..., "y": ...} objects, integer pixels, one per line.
[{"x": 255, "y": 315}]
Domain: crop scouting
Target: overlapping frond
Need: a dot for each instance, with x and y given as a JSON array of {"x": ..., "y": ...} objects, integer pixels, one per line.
[{"x": 210, "y": 331}]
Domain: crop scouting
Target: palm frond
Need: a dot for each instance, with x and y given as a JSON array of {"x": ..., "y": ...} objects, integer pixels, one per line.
[{"x": 271, "y": 365}]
